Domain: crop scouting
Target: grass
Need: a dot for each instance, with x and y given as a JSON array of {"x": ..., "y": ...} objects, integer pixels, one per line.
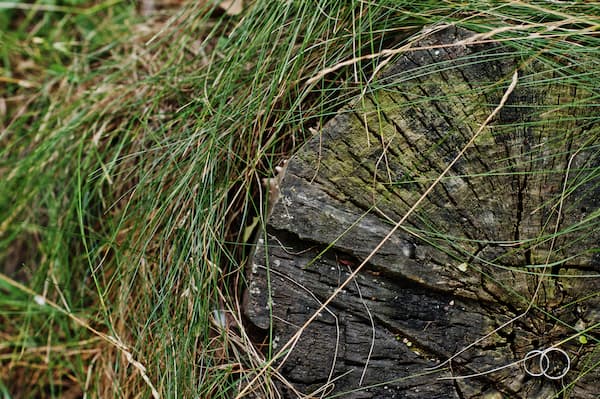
[{"x": 132, "y": 151}]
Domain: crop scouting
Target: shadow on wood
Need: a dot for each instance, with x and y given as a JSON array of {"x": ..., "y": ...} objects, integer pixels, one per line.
[{"x": 518, "y": 211}]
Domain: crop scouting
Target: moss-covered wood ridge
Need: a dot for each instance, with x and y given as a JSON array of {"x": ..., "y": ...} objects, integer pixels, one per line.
[{"x": 513, "y": 224}]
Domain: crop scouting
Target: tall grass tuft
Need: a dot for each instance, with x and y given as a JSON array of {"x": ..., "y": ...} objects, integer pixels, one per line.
[{"x": 132, "y": 154}]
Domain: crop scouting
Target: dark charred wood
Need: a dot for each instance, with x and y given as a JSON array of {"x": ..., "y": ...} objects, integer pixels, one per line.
[{"x": 466, "y": 261}]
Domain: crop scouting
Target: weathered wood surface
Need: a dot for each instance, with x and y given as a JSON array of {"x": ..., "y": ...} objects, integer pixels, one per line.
[{"x": 467, "y": 259}]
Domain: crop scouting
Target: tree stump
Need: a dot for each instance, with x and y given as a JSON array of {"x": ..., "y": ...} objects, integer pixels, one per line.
[{"x": 516, "y": 213}]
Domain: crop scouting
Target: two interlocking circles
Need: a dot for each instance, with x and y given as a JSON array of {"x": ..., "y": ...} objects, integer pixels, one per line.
[{"x": 545, "y": 368}]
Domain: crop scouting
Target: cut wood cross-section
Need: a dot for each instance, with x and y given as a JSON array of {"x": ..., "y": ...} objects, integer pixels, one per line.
[{"x": 514, "y": 222}]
